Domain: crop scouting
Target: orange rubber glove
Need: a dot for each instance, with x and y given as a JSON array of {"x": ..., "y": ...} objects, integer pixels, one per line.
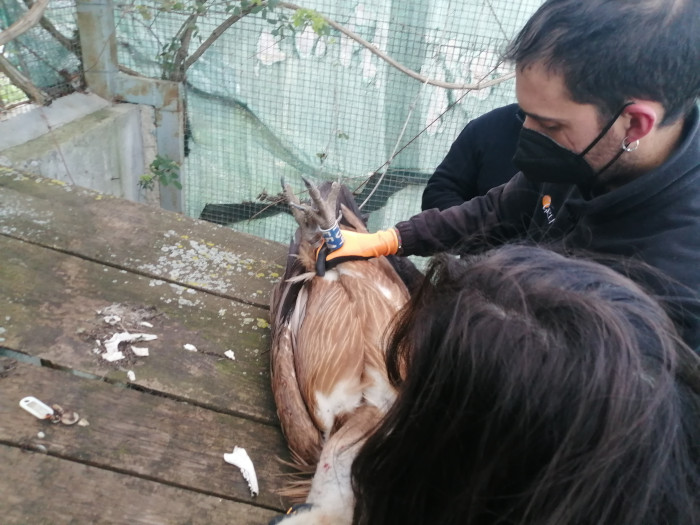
[
  {"x": 360, "y": 246},
  {"x": 366, "y": 245}
]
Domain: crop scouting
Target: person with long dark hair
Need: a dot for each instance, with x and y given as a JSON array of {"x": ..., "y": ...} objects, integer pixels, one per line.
[{"x": 534, "y": 389}]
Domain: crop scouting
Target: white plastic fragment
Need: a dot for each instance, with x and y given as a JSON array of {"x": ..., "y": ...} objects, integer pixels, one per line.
[
  {"x": 83, "y": 423},
  {"x": 112, "y": 352},
  {"x": 113, "y": 356},
  {"x": 230, "y": 355},
  {"x": 146, "y": 324},
  {"x": 38, "y": 409},
  {"x": 112, "y": 344},
  {"x": 40, "y": 435},
  {"x": 112, "y": 319},
  {"x": 190, "y": 347},
  {"x": 131, "y": 376},
  {"x": 140, "y": 351},
  {"x": 239, "y": 458}
]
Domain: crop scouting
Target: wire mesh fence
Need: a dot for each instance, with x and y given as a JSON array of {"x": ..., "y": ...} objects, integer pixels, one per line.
[
  {"x": 265, "y": 102},
  {"x": 48, "y": 53}
]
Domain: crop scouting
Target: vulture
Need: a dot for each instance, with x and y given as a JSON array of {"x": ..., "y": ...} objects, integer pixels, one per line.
[{"x": 328, "y": 373}]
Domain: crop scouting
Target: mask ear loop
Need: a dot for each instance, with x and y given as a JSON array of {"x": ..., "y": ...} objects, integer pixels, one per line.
[
  {"x": 631, "y": 146},
  {"x": 604, "y": 131}
]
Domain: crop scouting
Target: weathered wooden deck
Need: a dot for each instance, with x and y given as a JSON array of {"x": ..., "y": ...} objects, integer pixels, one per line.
[{"x": 152, "y": 452}]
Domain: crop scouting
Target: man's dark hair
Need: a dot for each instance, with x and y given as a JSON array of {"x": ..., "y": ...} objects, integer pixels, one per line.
[
  {"x": 612, "y": 50},
  {"x": 534, "y": 388}
]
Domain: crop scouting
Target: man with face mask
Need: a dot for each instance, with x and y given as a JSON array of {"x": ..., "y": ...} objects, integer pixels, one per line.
[{"x": 609, "y": 152}]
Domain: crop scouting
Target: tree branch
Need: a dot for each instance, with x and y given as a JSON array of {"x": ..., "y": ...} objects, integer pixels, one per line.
[
  {"x": 25, "y": 22},
  {"x": 481, "y": 84},
  {"x": 51, "y": 29},
  {"x": 177, "y": 73},
  {"x": 214, "y": 36},
  {"x": 22, "y": 82}
]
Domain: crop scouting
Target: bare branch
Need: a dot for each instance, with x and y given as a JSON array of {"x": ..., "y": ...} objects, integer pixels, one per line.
[
  {"x": 130, "y": 71},
  {"x": 23, "y": 83},
  {"x": 214, "y": 36},
  {"x": 51, "y": 29},
  {"x": 178, "y": 69},
  {"x": 481, "y": 84},
  {"x": 25, "y": 22}
]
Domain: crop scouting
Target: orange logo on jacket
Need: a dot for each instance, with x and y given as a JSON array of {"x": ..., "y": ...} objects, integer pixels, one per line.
[{"x": 547, "y": 208}]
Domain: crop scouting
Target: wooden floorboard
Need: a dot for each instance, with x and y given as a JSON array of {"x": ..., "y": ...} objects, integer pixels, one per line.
[
  {"x": 139, "y": 238},
  {"x": 77, "y": 267},
  {"x": 139, "y": 434},
  {"x": 42, "y": 490},
  {"x": 49, "y": 310}
]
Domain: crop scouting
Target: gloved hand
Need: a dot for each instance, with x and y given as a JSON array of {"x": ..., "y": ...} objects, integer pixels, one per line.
[{"x": 359, "y": 246}]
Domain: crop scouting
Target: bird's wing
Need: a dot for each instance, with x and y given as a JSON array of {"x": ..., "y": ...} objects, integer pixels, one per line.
[{"x": 302, "y": 435}]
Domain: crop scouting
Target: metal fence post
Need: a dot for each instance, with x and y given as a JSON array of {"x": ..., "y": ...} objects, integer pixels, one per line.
[
  {"x": 98, "y": 45},
  {"x": 99, "y": 51}
]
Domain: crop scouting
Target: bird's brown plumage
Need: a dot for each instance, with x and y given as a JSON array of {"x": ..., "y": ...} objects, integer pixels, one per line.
[{"x": 327, "y": 359}]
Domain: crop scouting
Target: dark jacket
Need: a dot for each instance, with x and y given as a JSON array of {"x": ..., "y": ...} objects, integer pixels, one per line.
[
  {"x": 480, "y": 159},
  {"x": 654, "y": 218}
]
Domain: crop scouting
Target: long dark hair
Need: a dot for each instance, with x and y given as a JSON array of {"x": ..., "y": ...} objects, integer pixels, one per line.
[{"x": 533, "y": 389}]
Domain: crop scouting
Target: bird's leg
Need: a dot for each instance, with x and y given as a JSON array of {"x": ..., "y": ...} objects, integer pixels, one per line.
[
  {"x": 304, "y": 215},
  {"x": 325, "y": 208},
  {"x": 325, "y": 214}
]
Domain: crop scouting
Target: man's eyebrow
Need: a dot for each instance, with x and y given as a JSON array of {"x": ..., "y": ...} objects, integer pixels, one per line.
[{"x": 539, "y": 117}]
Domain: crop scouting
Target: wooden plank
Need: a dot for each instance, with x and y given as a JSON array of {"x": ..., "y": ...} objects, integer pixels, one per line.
[
  {"x": 139, "y": 238},
  {"x": 49, "y": 310},
  {"x": 40, "y": 489},
  {"x": 141, "y": 435}
]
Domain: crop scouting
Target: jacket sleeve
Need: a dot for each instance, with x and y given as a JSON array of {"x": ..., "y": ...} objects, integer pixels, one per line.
[
  {"x": 479, "y": 159},
  {"x": 454, "y": 180},
  {"x": 504, "y": 213}
]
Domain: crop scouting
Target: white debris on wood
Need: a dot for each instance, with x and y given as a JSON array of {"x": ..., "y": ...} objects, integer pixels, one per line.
[
  {"x": 112, "y": 356},
  {"x": 239, "y": 457},
  {"x": 112, "y": 319},
  {"x": 140, "y": 351},
  {"x": 112, "y": 344},
  {"x": 230, "y": 355},
  {"x": 190, "y": 347},
  {"x": 131, "y": 376}
]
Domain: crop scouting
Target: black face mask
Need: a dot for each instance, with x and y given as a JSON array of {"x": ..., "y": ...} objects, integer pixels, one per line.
[{"x": 541, "y": 159}]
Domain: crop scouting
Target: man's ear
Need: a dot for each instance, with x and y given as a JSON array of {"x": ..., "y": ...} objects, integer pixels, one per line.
[{"x": 641, "y": 116}]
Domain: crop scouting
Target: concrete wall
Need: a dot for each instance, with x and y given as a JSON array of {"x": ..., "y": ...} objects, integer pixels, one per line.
[{"x": 84, "y": 140}]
